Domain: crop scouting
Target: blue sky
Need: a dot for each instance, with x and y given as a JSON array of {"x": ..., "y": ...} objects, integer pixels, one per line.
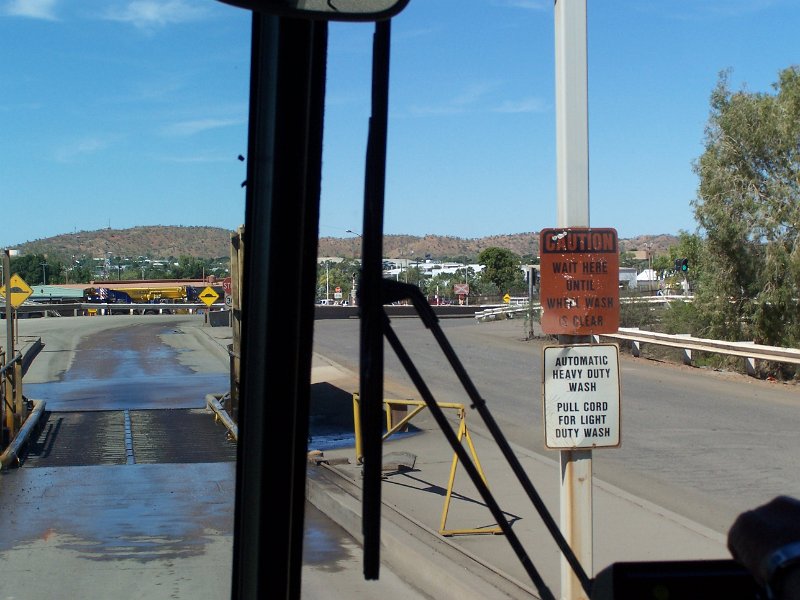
[{"x": 133, "y": 112}]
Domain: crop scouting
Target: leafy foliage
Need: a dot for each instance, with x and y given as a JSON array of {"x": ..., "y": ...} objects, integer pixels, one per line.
[
  {"x": 333, "y": 274},
  {"x": 749, "y": 207},
  {"x": 501, "y": 269},
  {"x": 37, "y": 269}
]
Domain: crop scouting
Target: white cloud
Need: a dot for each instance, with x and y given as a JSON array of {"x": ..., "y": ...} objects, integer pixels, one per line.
[
  {"x": 148, "y": 14},
  {"x": 195, "y": 159},
  {"x": 470, "y": 99},
  {"x": 198, "y": 125},
  {"x": 73, "y": 150},
  {"x": 531, "y": 4},
  {"x": 433, "y": 111},
  {"x": 474, "y": 92},
  {"x": 526, "y": 105},
  {"x": 34, "y": 9}
]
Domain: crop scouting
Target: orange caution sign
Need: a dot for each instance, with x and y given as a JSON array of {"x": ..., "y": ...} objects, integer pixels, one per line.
[{"x": 579, "y": 281}]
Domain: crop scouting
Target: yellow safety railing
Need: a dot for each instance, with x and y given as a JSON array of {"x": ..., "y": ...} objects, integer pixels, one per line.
[
  {"x": 12, "y": 405},
  {"x": 463, "y": 433}
]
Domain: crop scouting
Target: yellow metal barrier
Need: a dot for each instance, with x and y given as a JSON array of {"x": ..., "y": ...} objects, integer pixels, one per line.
[
  {"x": 12, "y": 402},
  {"x": 463, "y": 433}
]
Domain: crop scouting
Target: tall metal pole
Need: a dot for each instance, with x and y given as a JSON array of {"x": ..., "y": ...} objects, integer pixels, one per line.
[
  {"x": 466, "y": 280},
  {"x": 9, "y": 340},
  {"x": 572, "y": 115},
  {"x": 9, "y": 307},
  {"x": 572, "y": 164}
]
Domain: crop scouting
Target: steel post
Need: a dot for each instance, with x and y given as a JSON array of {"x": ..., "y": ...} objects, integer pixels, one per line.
[{"x": 572, "y": 190}]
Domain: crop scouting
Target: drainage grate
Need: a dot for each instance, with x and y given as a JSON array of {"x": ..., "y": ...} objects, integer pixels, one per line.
[
  {"x": 70, "y": 439},
  {"x": 128, "y": 437},
  {"x": 179, "y": 436}
]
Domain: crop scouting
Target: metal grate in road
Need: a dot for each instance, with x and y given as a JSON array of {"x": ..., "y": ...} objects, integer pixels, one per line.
[
  {"x": 127, "y": 437},
  {"x": 71, "y": 439},
  {"x": 179, "y": 436}
]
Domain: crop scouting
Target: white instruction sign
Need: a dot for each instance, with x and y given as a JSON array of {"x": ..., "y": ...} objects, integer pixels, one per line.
[{"x": 581, "y": 396}]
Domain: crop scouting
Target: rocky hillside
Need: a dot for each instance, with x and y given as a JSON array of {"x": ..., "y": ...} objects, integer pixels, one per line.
[
  {"x": 402, "y": 246},
  {"x": 157, "y": 241},
  {"x": 163, "y": 241}
]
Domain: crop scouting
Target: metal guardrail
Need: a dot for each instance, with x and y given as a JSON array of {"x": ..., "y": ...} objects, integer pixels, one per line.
[
  {"x": 10, "y": 364},
  {"x": 512, "y": 309},
  {"x": 77, "y": 308},
  {"x": 749, "y": 351},
  {"x": 507, "y": 311},
  {"x": 214, "y": 402},
  {"x": 12, "y": 451}
]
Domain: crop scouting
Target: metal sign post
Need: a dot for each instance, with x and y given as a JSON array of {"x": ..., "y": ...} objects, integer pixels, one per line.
[
  {"x": 208, "y": 296},
  {"x": 9, "y": 342},
  {"x": 9, "y": 305},
  {"x": 572, "y": 190}
]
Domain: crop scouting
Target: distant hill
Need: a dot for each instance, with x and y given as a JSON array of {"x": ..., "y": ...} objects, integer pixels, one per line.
[
  {"x": 161, "y": 241},
  {"x": 156, "y": 241},
  {"x": 404, "y": 246}
]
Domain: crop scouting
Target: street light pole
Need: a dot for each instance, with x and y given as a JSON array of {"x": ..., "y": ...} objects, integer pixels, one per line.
[
  {"x": 466, "y": 282},
  {"x": 353, "y": 289}
]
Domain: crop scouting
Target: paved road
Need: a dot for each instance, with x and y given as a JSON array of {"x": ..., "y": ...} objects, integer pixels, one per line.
[
  {"x": 81, "y": 523},
  {"x": 704, "y": 444}
]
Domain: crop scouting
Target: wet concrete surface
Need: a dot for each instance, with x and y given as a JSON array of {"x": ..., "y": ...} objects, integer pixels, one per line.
[
  {"x": 145, "y": 512},
  {"x": 325, "y": 544},
  {"x": 129, "y": 531},
  {"x": 333, "y": 564},
  {"x": 83, "y": 519},
  {"x": 115, "y": 437},
  {"x": 177, "y": 391},
  {"x": 88, "y": 529},
  {"x": 128, "y": 368}
]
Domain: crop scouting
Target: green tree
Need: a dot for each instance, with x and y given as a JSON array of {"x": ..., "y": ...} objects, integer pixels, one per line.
[
  {"x": 81, "y": 273},
  {"x": 189, "y": 267},
  {"x": 470, "y": 277},
  {"x": 748, "y": 204},
  {"x": 501, "y": 268},
  {"x": 35, "y": 268},
  {"x": 691, "y": 247},
  {"x": 338, "y": 274},
  {"x": 628, "y": 259},
  {"x": 662, "y": 263},
  {"x": 442, "y": 284}
]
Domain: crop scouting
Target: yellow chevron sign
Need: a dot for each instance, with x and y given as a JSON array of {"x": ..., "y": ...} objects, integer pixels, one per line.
[
  {"x": 209, "y": 296},
  {"x": 19, "y": 290}
]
